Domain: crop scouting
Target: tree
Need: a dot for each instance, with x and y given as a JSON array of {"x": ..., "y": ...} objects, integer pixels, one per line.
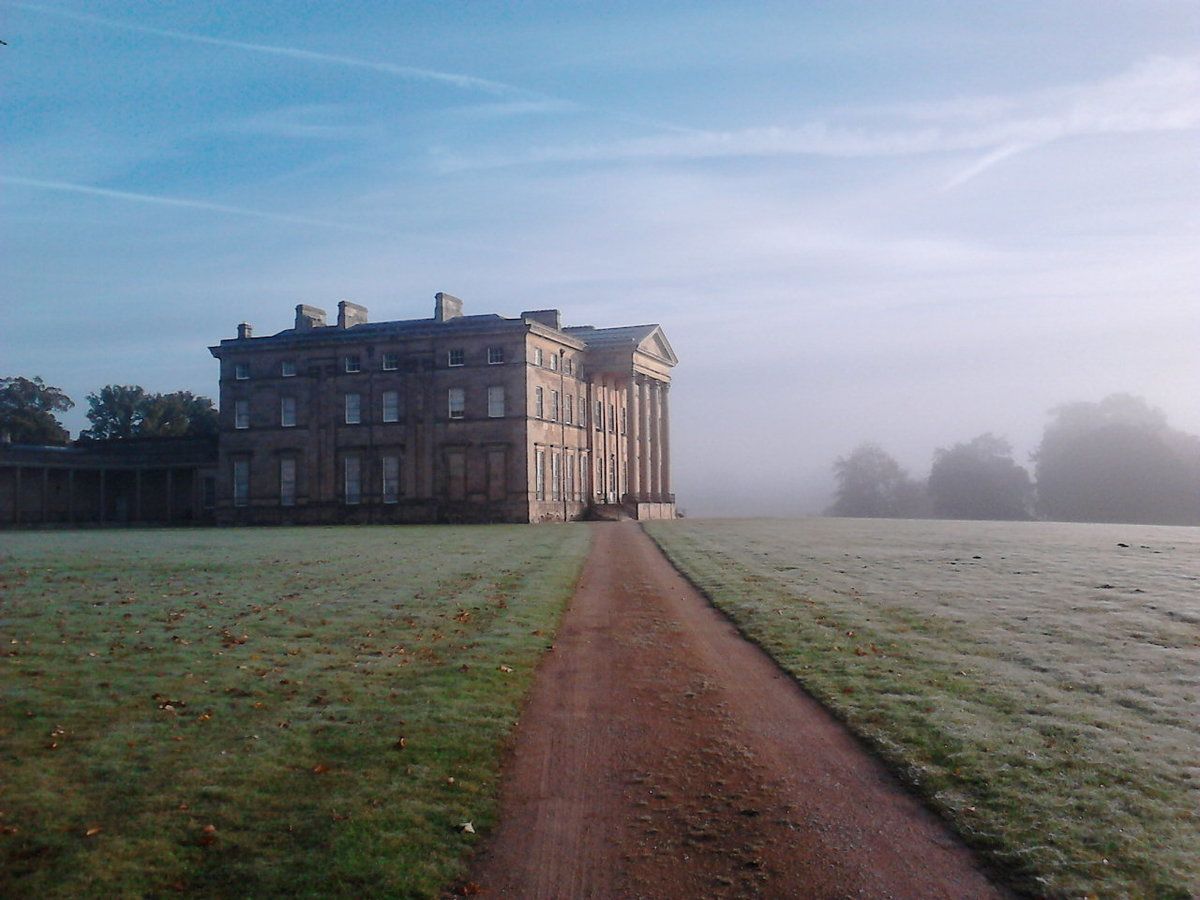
[
  {"x": 27, "y": 409},
  {"x": 1117, "y": 461},
  {"x": 126, "y": 410},
  {"x": 871, "y": 483},
  {"x": 178, "y": 414},
  {"x": 979, "y": 480},
  {"x": 115, "y": 412}
]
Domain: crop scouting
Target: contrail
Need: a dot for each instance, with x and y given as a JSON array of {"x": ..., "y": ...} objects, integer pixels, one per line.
[
  {"x": 986, "y": 162},
  {"x": 156, "y": 200},
  {"x": 465, "y": 82},
  {"x": 413, "y": 73}
]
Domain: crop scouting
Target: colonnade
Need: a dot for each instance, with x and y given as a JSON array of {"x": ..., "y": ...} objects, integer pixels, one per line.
[{"x": 648, "y": 436}]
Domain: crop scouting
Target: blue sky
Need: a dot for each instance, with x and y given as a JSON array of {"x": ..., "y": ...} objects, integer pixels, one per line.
[{"x": 908, "y": 222}]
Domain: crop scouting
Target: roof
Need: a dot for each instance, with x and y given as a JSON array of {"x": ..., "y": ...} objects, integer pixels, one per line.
[
  {"x": 146, "y": 452},
  {"x": 647, "y": 339},
  {"x": 607, "y": 337}
]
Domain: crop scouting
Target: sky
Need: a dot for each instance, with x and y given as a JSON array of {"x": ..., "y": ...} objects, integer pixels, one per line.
[{"x": 905, "y": 222}]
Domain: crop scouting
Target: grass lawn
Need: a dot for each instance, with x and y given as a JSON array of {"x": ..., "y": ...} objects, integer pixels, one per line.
[
  {"x": 263, "y": 712},
  {"x": 1038, "y": 683}
]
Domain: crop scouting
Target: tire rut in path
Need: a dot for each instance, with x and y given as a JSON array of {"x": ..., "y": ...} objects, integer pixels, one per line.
[{"x": 662, "y": 755}]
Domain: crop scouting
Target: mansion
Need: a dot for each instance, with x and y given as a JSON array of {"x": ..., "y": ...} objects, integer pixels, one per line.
[{"x": 455, "y": 418}]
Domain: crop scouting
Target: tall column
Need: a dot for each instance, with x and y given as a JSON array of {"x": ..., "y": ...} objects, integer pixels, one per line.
[
  {"x": 666, "y": 441},
  {"x": 170, "y": 494},
  {"x": 655, "y": 442},
  {"x": 632, "y": 421},
  {"x": 644, "y": 437}
]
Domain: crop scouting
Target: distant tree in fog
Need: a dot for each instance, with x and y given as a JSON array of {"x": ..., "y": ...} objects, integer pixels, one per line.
[
  {"x": 1117, "y": 461},
  {"x": 871, "y": 483},
  {"x": 979, "y": 480}
]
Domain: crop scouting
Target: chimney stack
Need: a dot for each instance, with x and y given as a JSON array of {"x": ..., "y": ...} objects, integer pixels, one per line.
[
  {"x": 308, "y": 317},
  {"x": 551, "y": 317},
  {"x": 351, "y": 314},
  {"x": 245, "y": 331},
  {"x": 446, "y": 307}
]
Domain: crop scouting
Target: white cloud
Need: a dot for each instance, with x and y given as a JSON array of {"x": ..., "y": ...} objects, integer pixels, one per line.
[{"x": 1161, "y": 94}]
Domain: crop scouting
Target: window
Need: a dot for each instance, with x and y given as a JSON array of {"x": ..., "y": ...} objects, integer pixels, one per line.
[
  {"x": 351, "y": 364},
  {"x": 241, "y": 414},
  {"x": 287, "y": 412},
  {"x": 457, "y": 402},
  {"x": 583, "y": 475},
  {"x": 539, "y": 475},
  {"x": 624, "y": 420},
  {"x": 391, "y": 362},
  {"x": 353, "y": 409},
  {"x": 241, "y": 482},
  {"x": 554, "y": 406},
  {"x": 539, "y": 402},
  {"x": 599, "y": 415},
  {"x": 352, "y": 479},
  {"x": 553, "y": 362},
  {"x": 287, "y": 481},
  {"x": 391, "y": 406},
  {"x": 287, "y": 368},
  {"x": 570, "y": 470},
  {"x": 537, "y": 356},
  {"x": 582, "y": 412},
  {"x": 613, "y": 488},
  {"x": 569, "y": 365},
  {"x": 612, "y": 418},
  {"x": 496, "y": 402},
  {"x": 555, "y": 476},
  {"x": 455, "y": 357},
  {"x": 570, "y": 415},
  {"x": 495, "y": 356},
  {"x": 241, "y": 371},
  {"x": 391, "y": 479}
]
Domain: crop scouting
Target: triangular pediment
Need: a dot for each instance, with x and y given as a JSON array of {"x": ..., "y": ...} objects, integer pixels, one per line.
[{"x": 656, "y": 344}]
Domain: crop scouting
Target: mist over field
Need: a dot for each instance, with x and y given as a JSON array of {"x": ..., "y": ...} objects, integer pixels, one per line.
[{"x": 904, "y": 223}]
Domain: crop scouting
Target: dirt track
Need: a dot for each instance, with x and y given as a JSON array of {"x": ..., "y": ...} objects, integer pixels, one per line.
[{"x": 661, "y": 755}]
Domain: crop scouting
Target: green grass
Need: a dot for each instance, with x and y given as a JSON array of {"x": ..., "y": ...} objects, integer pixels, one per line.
[
  {"x": 259, "y": 681},
  {"x": 1038, "y": 684}
]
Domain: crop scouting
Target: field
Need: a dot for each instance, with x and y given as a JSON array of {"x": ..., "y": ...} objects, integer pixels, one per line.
[
  {"x": 263, "y": 712},
  {"x": 1038, "y": 683}
]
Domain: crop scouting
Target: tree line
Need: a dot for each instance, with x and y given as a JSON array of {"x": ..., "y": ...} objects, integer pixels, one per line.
[
  {"x": 28, "y": 408},
  {"x": 1117, "y": 460}
]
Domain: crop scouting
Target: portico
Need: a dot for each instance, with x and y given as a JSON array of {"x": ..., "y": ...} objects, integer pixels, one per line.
[{"x": 630, "y": 383}]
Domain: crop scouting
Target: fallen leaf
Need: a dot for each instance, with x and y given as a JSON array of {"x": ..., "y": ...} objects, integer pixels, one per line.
[
  {"x": 506, "y": 669},
  {"x": 401, "y": 744},
  {"x": 93, "y": 831},
  {"x": 320, "y": 769},
  {"x": 467, "y": 828}
]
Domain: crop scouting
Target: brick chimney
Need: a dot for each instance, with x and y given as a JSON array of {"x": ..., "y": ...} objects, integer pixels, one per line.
[
  {"x": 446, "y": 307},
  {"x": 245, "y": 331},
  {"x": 308, "y": 317},
  {"x": 351, "y": 314}
]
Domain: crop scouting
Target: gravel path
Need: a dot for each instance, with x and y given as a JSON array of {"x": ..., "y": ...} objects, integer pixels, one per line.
[{"x": 662, "y": 755}]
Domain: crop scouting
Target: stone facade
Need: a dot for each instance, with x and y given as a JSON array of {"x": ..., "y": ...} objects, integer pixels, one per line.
[{"x": 452, "y": 418}]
